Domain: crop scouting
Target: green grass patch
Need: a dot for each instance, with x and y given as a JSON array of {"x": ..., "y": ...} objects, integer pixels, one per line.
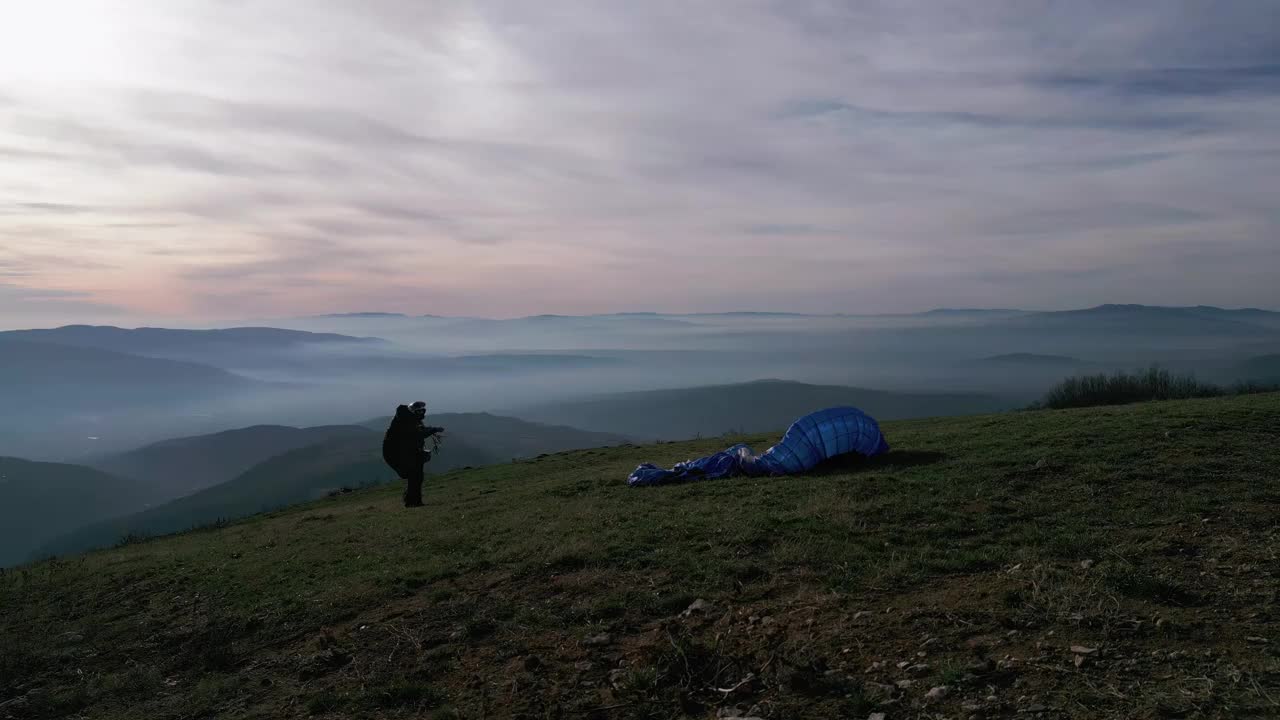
[{"x": 1091, "y": 524}]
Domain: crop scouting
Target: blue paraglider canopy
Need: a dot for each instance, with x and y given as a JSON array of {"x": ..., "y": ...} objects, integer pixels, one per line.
[{"x": 809, "y": 441}]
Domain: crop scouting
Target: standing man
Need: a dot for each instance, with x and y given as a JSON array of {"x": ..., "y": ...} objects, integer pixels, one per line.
[{"x": 403, "y": 448}]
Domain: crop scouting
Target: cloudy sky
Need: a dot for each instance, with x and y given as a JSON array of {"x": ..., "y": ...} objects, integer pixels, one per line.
[{"x": 208, "y": 159}]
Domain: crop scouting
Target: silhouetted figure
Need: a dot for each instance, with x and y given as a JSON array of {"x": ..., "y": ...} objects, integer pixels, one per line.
[{"x": 403, "y": 448}]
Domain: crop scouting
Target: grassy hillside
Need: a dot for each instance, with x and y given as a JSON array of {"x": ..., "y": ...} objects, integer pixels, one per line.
[
  {"x": 1115, "y": 562},
  {"x": 746, "y": 407},
  {"x": 39, "y": 501}
]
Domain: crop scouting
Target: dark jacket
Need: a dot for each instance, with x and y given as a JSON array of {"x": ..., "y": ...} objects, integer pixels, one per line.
[{"x": 402, "y": 445}]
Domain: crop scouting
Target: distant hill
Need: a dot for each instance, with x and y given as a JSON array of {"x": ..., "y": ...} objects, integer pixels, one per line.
[
  {"x": 334, "y": 457},
  {"x": 1148, "y": 319},
  {"x": 67, "y": 378},
  {"x": 208, "y": 346},
  {"x": 295, "y": 476},
  {"x": 181, "y": 466},
  {"x": 508, "y": 437},
  {"x": 973, "y": 311},
  {"x": 363, "y": 315},
  {"x": 1263, "y": 368},
  {"x": 39, "y": 501},
  {"x": 746, "y": 407},
  {"x": 1033, "y": 360},
  {"x": 566, "y": 324},
  {"x": 383, "y": 366},
  {"x": 1255, "y": 316}
]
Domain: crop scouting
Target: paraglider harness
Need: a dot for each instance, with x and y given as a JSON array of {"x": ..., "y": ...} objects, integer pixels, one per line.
[
  {"x": 436, "y": 438},
  {"x": 396, "y": 443}
]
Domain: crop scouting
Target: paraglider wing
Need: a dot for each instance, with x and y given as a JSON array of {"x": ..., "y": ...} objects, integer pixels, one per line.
[
  {"x": 824, "y": 435},
  {"x": 809, "y": 441}
]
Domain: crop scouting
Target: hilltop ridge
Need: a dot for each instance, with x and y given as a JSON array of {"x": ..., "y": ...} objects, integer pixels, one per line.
[{"x": 1077, "y": 564}]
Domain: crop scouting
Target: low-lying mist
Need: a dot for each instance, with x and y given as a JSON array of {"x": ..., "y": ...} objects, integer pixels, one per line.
[{"x": 94, "y": 400}]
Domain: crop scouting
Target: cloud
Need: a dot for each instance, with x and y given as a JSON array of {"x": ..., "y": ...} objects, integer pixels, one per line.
[
  {"x": 30, "y": 307},
  {"x": 781, "y": 229},
  {"x": 48, "y": 208},
  {"x": 1261, "y": 80},
  {"x": 516, "y": 158}
]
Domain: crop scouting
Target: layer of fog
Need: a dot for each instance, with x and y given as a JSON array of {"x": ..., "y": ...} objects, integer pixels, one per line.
[{"x": 502, "y": 366}]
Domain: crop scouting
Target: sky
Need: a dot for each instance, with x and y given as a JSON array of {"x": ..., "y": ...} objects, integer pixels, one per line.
[{"x": 206, "y": 160}]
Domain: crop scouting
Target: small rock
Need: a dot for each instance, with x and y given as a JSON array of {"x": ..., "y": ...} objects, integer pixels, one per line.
[
  {"x": 617, "y": 677},
  {"x": 919, "y": 669},
  {"x": 1082, "y": 650},
  {"x": 876, "y": 716},
  {"x": 1256, "y": 639},
  {"x": 73, "y": 637},
  {"x": 861, "y": 614},
  {"x": 1086, "y": 564},
  {"x": 698, "y": 606},
  {"x": 971, "y": 707},
  {"x": 584, "y": 665},
  {"x": 930, "y": 642},
  {"x": 1080, "y": 660},
  {"x": 982, "y": 667},
  {"x": 1041, "y": 463},
  {"x": 905, "y": 684},
  {"x": 1036, "y": 708},
  {"x": 937, "y": 693},
  {"x": 991, "y": 698},
  {"x": 904, "y": 665},
  {"x": 878, "y": 692},
  {"x": 598, "y": 640},
  {"x": 877, "y": 665}
]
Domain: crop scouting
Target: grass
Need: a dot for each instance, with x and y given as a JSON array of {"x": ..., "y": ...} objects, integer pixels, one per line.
[
  {"x": 1123, "y": 388},
  {"x": 978, "y": 553}
]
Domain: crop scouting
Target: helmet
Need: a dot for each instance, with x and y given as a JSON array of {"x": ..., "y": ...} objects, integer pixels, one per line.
[{"x": 419, "y": 408}]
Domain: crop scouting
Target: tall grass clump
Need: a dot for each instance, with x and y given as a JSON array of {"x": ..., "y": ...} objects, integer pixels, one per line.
[{"x": 1122, "y": 388}]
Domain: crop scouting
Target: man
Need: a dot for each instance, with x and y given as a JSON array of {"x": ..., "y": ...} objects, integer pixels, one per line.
[{"x": 402, "y": 448}]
